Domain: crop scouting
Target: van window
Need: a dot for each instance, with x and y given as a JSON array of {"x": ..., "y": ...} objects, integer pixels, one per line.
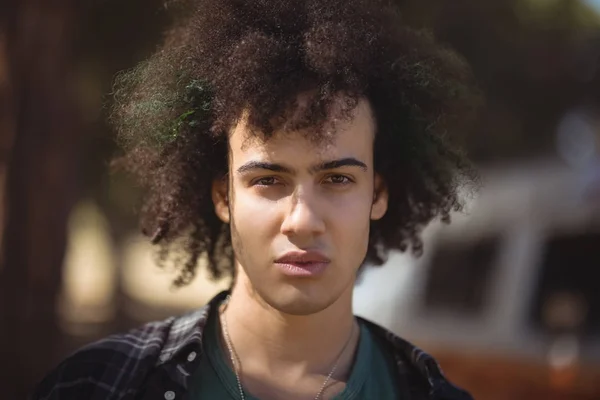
[
  {"x": 568, "y": 294},
  {"x": 459, "y": 273}
]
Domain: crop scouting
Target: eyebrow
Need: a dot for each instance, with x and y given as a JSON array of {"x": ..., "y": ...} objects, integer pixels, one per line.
[{"x": 324, "y": 166}]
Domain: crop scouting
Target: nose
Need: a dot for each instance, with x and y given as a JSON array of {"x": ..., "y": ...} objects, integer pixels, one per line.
[{"x": 304, "y": 220}]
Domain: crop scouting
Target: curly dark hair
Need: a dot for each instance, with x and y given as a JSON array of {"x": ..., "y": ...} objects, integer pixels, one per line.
[{"x": 173, "y": 113}]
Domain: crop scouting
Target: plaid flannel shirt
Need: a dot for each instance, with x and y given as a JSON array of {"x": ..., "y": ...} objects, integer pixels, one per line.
[{"x": 155, "y": 362}]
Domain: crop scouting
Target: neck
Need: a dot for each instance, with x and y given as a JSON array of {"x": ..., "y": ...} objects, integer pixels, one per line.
[{"x": 267, "y": 338}]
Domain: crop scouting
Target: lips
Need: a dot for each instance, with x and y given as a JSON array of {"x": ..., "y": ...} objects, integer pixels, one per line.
[
  {"x": 303, "y": 263},
  {"x": 305, "y": 257}
]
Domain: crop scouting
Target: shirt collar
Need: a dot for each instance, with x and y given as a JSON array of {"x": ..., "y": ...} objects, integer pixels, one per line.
[
  {"x": 185, "y": 337},
  {"x": 186, "y": 332},
  {"x": 426, "y": 367}
]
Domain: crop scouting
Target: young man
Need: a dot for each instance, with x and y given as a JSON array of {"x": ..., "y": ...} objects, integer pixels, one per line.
[{"x": 284, "y": 143}]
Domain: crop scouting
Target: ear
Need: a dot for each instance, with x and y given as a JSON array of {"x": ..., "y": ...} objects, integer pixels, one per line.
[
  {"x": 220, "y": 198},
  {"x": 380, "y": 198}
]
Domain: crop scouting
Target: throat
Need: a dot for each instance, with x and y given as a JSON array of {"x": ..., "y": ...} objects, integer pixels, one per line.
[
  {"x": 270, "y": 375},
  {"x": 293, "y": 349}
]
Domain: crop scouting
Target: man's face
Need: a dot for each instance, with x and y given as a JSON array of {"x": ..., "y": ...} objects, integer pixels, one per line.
[{"x": 300, "y": 212}]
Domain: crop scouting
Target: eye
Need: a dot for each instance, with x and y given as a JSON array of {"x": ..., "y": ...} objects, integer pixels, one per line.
[
  {"x": 265, "y": 181},
  {"x": 338, "y": 179}
]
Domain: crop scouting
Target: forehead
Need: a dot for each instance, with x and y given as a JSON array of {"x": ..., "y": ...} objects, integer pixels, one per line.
[{"x": 352, "y": 135}]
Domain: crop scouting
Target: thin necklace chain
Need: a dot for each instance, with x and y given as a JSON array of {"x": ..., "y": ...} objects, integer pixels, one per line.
[{"x": 235, "y": 361}]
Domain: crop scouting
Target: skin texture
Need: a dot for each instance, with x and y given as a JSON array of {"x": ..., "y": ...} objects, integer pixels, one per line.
[{"x": 277, "y": 322}]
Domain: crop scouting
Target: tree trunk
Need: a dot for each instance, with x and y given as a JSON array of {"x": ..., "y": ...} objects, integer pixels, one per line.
[{"x": 40, "y": 136}]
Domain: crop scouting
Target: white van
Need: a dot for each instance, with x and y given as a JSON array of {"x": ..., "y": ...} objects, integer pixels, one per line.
[{"x": 517, "y": 275}]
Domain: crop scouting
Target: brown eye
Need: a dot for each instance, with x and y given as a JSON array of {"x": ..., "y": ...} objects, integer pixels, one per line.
[
  {"x": 266, "y": 181},
  {"x": 339, "y": 179}
]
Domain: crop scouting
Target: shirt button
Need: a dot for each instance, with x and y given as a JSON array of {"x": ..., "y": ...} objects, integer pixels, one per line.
[
  {"x": 191, "y": 356},
  {"x": 170, "y": 395}
]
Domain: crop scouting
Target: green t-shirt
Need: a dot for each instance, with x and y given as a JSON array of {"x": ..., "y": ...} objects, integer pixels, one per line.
[{"x": 372, "y": 376}]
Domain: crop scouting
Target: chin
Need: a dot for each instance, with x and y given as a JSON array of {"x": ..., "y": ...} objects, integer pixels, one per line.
[{"x": 297, "y": 302}]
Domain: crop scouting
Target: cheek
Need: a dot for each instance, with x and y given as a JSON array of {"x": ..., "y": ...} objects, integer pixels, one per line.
[
  {"x": 255, "y": 216},
  {"x": 352, "y": 208},
  {"x": 350, "y": 220}
]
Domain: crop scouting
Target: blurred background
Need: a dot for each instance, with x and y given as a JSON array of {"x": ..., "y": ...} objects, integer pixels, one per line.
[{"x": 507, "y": 296}]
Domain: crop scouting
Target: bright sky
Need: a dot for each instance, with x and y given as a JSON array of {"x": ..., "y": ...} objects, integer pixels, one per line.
[{"x": 595, "y": 4}]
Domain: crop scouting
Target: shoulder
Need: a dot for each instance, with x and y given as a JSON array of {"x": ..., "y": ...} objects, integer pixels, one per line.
[
  {"x": 417, "y": 371},
  {"x": 112, "y": 367}
]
